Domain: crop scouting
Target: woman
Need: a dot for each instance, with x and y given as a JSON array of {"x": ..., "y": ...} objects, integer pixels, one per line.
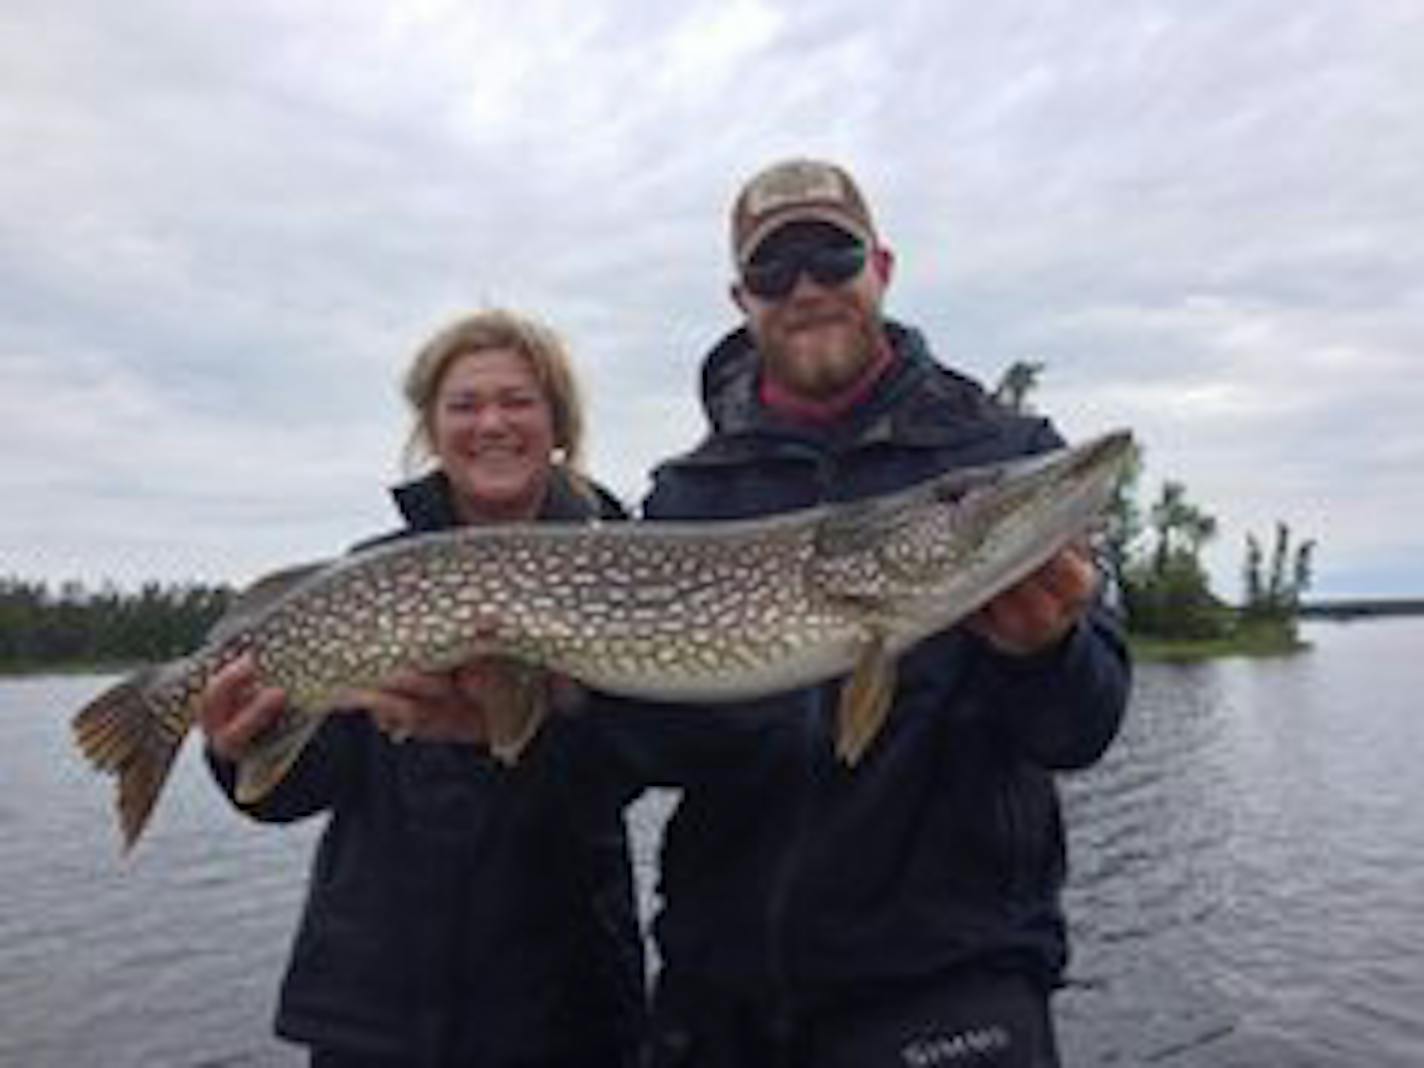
[{"x": 460, "y": 913}]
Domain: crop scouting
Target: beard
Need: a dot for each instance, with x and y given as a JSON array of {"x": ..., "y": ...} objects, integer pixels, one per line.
[{"x": 823, "y": 356}]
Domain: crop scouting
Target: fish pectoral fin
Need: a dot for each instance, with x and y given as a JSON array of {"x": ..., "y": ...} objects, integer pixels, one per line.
[
  {"x": 865, "y": 700},
  {"x": 518, "y": 704},
  {"x": 273, "y": 753}
]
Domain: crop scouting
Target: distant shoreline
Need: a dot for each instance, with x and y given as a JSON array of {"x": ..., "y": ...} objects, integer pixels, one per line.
[
  {"x": 1363, "y": 608},
  {"x": 1184, "y": 651}
]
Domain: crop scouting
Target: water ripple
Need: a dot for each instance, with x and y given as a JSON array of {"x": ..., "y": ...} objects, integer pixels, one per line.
[{"x": 1247, "y": 865}]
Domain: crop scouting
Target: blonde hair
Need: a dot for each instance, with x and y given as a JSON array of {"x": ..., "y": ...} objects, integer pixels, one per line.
[{"x": 496, "y": 328}]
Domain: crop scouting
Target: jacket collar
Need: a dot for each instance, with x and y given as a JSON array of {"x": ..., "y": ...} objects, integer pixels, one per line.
[
  {"x": 427, "y": 503},
  {"x": 918, "y": 403},
  {"x": 731, "y": 379}
]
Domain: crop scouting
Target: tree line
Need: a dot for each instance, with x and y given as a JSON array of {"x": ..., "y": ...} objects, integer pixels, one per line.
[{"x": 73, "y": 624}]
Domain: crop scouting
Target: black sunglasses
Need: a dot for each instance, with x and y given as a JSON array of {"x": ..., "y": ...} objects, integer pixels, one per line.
[{"x": 775, "y": 276}]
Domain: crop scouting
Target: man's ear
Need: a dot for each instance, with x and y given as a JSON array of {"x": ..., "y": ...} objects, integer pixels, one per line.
[{"x": 882, "y": 261}]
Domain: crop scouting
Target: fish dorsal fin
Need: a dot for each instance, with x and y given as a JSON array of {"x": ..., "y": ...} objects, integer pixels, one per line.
[{"x": 260, "y": 596}]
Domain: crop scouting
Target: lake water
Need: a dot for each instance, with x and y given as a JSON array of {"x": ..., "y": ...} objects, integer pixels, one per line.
[{"x": 1247, "y": 889}]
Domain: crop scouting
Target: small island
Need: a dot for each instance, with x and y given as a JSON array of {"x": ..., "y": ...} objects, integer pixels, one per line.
[
  {"x": 1171, "y": 612},
  {"x": 1254, "y": 640}
]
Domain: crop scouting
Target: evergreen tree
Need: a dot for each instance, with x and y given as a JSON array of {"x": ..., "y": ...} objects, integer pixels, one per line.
[
  {"x": 1016, "y": 383},
  {"x": 1252, "y": 587},
  {"x": 1278, "y": 585},
  {"x": 1123, "y": 526},
  {"x": 1275, "y": 597},
  {"x": 1303, "y": 574},
  {"x": 1169, "y": 596}
]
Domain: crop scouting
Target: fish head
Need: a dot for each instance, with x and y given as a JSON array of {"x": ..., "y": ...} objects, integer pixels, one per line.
[{"x": 930, "y": 555}]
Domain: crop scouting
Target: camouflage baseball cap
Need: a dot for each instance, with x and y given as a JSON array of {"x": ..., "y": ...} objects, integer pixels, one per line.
[{"x": 792, "y": 191}]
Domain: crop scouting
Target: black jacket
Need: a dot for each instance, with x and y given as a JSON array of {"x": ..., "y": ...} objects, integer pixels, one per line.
[
  {"x": 789, "y": 876},
  {"x": 460, "y": 912}
]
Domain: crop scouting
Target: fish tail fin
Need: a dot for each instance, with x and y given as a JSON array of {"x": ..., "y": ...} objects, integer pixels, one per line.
[
  {"x": 865, "y": 701},
  {"x": 123, "y": 732}
]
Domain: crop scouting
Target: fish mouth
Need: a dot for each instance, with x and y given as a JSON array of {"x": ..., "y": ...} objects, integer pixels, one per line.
[{"x": 1104, "y": 456}]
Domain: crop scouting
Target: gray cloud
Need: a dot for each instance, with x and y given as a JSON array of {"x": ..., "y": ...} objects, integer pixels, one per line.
[{"x": 228, "y": 228}]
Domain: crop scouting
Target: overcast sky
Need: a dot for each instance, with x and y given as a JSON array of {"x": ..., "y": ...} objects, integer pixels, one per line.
[{"x": 224, "y": 228}]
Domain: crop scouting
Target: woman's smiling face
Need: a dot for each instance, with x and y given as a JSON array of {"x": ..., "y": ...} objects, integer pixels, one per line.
[{"x": 493, "y": 432}]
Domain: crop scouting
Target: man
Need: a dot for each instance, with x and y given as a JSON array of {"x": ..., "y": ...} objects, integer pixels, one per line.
[{"x": 905, "y": 911}]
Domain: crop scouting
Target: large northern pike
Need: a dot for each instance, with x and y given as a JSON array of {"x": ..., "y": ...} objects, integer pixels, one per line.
[{"x": 694, "y": 612}]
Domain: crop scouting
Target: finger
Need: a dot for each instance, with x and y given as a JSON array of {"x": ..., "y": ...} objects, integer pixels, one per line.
[
  {"x": 401, "y": 696},
  {"x": 420, "y": 685},
  {"x": 1024, "y": 610},
  {"x": 383, "y": 705},
  {"x": 256, "y": 715},
  {"x": 1023, "y": 620},
  {"x": 224, "y": 692},
  {"x": 1071, "y": 577},
  {"x": 399, "y": 715},
  {"x": 472, "y": 677}
]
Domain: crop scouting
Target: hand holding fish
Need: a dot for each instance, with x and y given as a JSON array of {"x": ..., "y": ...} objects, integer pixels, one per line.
[
  {"x": 234, "y": 708},
  {"x": 1038, "y": 612},
  {"x": 494, "y": 701},
  {"x": 443, "y": 706}
]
